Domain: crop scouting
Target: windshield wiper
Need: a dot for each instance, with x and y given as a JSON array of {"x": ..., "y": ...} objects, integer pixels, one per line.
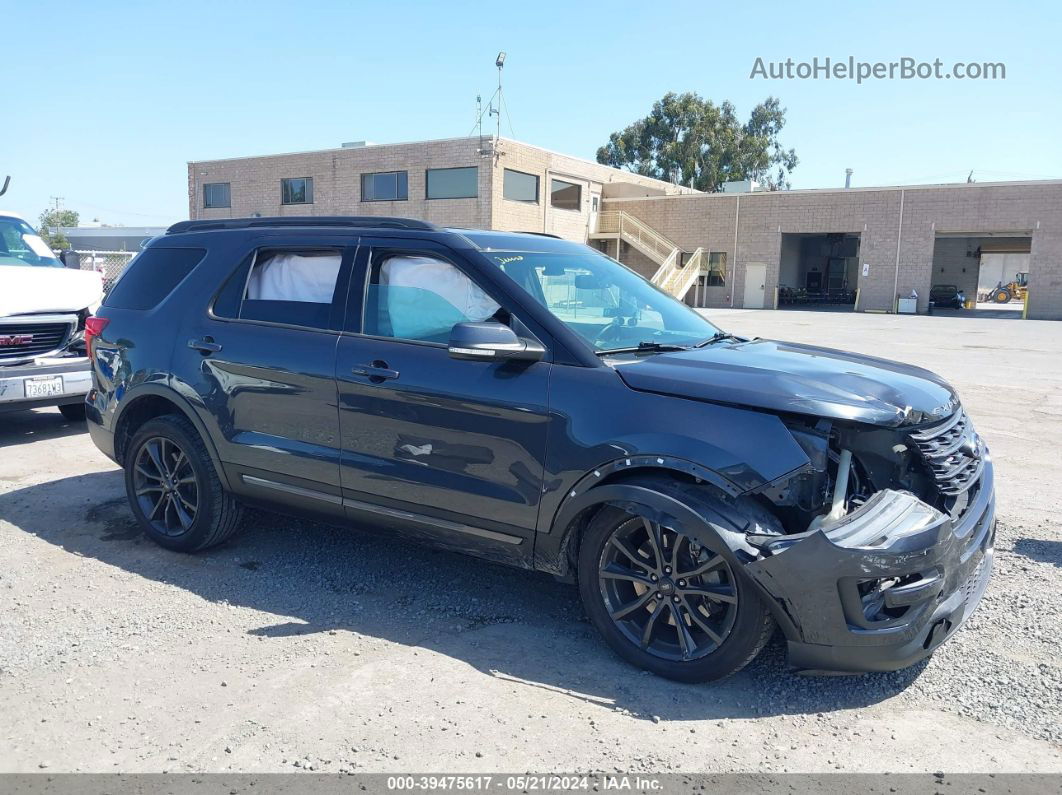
[
  {"x": 646, "y": 347},
  {"x": 719, "y": 336}
]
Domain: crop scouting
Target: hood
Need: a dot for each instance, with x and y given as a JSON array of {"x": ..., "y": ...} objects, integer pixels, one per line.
[
  {"x": 801, "y": 379},
  {"x": 25, "y": 290}
]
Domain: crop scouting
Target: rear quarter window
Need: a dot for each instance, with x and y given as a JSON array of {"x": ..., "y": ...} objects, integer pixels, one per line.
[{"x": 152, "y": 276}]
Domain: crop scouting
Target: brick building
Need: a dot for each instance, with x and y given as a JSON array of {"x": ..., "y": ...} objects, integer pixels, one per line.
[{"x": 858, "y": 248}]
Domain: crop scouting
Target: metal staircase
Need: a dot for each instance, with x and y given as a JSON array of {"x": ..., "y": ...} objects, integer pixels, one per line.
[{"x": 672, "y": 275}]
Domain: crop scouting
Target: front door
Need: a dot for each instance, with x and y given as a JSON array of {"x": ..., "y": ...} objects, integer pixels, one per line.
[
  {"x": 755, "y": 285},
  {"x": 450, "y": 448},
  {"x": 595, "y": 208}
]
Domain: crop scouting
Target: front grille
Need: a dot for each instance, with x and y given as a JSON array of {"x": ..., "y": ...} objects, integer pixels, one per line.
[
  {"x": 19, "y": 341},
  {"x": 953, "y": 453}
]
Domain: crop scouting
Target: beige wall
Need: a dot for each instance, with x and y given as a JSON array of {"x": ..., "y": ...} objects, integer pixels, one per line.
[
  {"x": 255, "y": 184},
  {"x": 899, "y": 260}
]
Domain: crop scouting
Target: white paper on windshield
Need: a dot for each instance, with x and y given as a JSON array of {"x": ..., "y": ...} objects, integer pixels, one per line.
[{"x": 38, "y": 246}]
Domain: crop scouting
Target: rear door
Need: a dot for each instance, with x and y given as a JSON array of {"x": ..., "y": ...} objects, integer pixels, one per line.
[
  {"x": 262, "y": 360},
  {"x": 452, "y": 448}
]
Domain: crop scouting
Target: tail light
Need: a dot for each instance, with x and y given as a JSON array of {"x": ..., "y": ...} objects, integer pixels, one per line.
[{"x": 94, "y": 326}]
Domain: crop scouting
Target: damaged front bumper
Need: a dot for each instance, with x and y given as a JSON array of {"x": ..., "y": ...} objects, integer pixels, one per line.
[{"x": 882, "y": 588}]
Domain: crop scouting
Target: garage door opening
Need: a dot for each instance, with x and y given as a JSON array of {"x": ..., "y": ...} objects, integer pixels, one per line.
[
  {"x": 986, "y": 274},
  {"x": 819, "y": 271}
]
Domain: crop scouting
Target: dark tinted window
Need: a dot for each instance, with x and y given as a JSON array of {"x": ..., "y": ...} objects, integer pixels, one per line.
[
  {"x": 453, "y": 183},
  {"x": 151, "y": 276},
  {"x": 387, "y": 186},
  {"x": 520, "y": 187},
  {"x": 216, "y": 194},
  {"x": 296, "y": 191},
  {"x": 565, "y": 195},
  {"x": 290, "y": 286}
]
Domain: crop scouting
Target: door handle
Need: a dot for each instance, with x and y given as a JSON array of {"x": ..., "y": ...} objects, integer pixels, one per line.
[
  {"x": 205, "y": 345},
  {"x": 377, "y": 372}
]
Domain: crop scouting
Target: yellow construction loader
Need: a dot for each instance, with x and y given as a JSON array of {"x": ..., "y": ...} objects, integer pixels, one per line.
[{"x": 1005, "y": 293}]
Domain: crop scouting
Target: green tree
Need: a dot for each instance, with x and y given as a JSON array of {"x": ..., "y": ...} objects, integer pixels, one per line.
[
  {"x": 51, "y": 220},
  {"x": 704, "y": 145}
]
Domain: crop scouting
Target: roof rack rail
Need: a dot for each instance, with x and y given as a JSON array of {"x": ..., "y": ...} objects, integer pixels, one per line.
[{"x": 353, "y": 221}]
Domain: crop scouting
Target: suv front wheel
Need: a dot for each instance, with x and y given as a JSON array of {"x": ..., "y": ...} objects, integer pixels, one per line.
[
  {"x": 666, "y": 602},
  {"x": 173, "y": 489}
]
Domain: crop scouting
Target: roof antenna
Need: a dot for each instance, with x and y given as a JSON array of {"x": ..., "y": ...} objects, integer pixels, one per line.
[
  {"x": 500, "y": 63},
  {"x": 969, "y": 177},
  {"x": 7, "y": 181}
]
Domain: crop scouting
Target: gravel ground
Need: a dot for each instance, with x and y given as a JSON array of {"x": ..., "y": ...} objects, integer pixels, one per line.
[{"x": 300, "y": 646}]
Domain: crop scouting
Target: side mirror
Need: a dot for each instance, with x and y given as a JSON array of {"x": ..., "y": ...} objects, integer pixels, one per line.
[{"x": 487, "y": 342}]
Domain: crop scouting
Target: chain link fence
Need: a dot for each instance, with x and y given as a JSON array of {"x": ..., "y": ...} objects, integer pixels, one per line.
[{"x": 109, "y": 263}]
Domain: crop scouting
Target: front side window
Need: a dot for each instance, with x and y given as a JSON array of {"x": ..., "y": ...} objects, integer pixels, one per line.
[
  {"x": 716, "y": 269},
  {"x": 452, "y": 183},
  {"x": 603, "y": 302},
  {"x": 21, "y": 245},
  {"x": 386, "y": 186},
  {"x": 520, "y": 187},
  {"x": 217, "y": 194},
  {"x": 565, "y": 195},
  {"x": 292, "y": 286},
  {"x": 296, "y": 191},
  {"x": 417, "y": 297}
]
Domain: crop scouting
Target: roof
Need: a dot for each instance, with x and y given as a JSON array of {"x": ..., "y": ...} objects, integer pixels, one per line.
[{"x": 866, "y": 189}]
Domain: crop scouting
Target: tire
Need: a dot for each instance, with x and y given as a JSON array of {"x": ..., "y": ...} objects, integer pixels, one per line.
[
  {"x": 174, "y": 490},
  {"x": 75, "y": 412},
  {"x": 741, "y": 627},
  {"x": 1001, "y": 297}
]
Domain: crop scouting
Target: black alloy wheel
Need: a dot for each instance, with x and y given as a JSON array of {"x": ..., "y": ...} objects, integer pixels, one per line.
[
  {"x": 166, "y": 486},
  {"x": 667, "y": 594}
]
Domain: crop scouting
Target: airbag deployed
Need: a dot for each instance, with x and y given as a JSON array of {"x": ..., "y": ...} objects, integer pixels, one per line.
[{"x": 295, "y": 277}]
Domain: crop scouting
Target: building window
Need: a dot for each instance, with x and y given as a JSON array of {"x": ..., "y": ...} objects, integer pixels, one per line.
[
  {"x": 716, "y": 276},
  {"x": 452, "y": 183},
  {"x": 216, "y": 194},
  {"x": 386, "y": 186},
  {"x": 565, "y": 195},
  {"x": 520, "y": 187},
  {"x": 296, "y": 191}
]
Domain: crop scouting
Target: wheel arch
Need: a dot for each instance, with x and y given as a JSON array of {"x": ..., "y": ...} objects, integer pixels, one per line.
[
  {"x": 675, "y": 497},
  {"x": 152, "y": 400},
  {"x": 570, "y": 515}
]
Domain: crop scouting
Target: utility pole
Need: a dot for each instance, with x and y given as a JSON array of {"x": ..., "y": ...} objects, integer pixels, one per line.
[{"x": 58, "y": 205}]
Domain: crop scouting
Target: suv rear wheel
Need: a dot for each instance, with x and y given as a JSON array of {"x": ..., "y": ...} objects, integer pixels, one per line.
[
  {"x": 666, "y": 602},
  {"x": 173, "y": 489}
]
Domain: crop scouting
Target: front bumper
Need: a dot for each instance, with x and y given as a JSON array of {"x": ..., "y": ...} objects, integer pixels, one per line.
[
  {"x": 828, "y": 587},
  {"x": 73, "y": 372}
]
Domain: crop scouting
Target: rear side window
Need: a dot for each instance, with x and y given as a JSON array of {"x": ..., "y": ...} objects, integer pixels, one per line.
[
  {"x": 290, "y": 286},
  {"x": 152, "y": 276}
]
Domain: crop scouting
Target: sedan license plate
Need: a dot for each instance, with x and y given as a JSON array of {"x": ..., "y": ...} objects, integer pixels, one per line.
[{"x": 43, "y": 387}]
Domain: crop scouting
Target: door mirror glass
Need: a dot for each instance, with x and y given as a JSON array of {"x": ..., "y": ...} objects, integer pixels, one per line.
[{"x": 491, "y": 341}]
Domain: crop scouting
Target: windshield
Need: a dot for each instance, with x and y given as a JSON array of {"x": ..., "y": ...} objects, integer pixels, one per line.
[
  {"x": 606, "y": 304},
  {"x": 20, "y": 245}
]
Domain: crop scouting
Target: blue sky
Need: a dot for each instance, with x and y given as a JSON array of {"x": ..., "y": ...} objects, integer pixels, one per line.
[{"x": 108, "y": 101}]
